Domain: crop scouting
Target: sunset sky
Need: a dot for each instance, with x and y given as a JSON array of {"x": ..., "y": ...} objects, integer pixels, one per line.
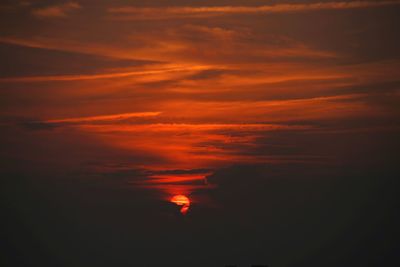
[{"x": 200, "y": 133}]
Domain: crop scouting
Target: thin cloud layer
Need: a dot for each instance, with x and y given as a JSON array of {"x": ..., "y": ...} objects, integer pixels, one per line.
[
  {"x": 115, "y": 117},
  {"x": 56, "y": 11},
  {"x": 132, "y": 13}
]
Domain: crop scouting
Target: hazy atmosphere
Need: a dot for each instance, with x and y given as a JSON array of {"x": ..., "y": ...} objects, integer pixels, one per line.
[{"x": 199, "y": 133}]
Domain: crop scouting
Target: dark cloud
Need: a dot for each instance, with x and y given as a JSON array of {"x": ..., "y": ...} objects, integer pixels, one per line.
[
  {"x": 319, "y": 214},
  {"x": 39, "y": 125},
  {"x": 28, "y": 61}
]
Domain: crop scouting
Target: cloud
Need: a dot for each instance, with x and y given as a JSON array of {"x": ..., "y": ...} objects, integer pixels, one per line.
[
  {"x": 182, "y": 150},
  {"x": 133, "y": 13},
  {"x": 51, "y": 43},
  {"x": 50, "y": 124},
  {"x": 107, "y": 117},
  {"x": 57, "y": 11},
  {"x": 27, "y": 61},
  {"x": 192, "y": 44},
  {"x": 81, "y": 77}
]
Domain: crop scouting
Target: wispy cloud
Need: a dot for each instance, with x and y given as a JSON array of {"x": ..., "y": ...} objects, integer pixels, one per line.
[
  {"x": 50, "y": 124},
  {"x": 62, "y": 45},
  {"x": 114, "y": 117},
  {"x": 188, "y": 146},
  {"x": 211, "y": 45},
  {"x": 56, "y": 11},
  {"x": 60, "y": 78},
  {"x": 132, "y": 13}
]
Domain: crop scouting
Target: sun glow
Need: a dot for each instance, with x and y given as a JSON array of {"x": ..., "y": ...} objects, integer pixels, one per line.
[{"x": 183, "y": 201}]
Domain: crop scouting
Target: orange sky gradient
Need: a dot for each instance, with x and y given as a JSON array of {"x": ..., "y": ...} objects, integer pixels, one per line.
[
  {"x": 201, "y": 133},
  {"x": 201, "y": 86}
]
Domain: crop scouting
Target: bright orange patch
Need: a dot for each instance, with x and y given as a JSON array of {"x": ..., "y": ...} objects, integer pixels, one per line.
[{"x": 183, "y": 201}]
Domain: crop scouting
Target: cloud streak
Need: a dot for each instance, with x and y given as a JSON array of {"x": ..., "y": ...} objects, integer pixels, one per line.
[
  {"x": 60, "y": 78},
  {"x": 50, "y": 124},
  {"x": 57, "y": 11},
  {"x": 107, "y": 117},
  {"x": 132, "y": 13}
]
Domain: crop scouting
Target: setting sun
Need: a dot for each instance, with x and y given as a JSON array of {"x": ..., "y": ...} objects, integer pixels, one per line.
[{"x": 183, "y": 201}]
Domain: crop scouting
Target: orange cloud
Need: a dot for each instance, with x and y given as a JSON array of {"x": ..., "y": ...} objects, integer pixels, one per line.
[
  {"x": 212, "y": 45},
  {"x": 57, "y": 11},
  {"x": 63, "y": 45},
  {"x": 114, "y": 117},
  {"x": 166, "y": 69},
  {"x": 188, "y": 146},
  {"x": 134, "y": 13},
  {"x": 176, "y": 178}
]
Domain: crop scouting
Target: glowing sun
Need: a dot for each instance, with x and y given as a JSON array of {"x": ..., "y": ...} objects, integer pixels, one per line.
[{"x": 183, "y": 201}]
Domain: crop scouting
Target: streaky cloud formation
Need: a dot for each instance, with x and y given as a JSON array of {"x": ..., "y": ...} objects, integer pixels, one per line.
[
  {"x": 200, "y": 133},
  {"x": 133, "y": 13},
  {"x": 56, "y": 11},
  {"x": 105, "y": 117},
  {"x": 101, "y": 75}
]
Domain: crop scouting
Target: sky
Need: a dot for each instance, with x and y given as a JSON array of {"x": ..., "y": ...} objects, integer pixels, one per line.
[{"x": 199, "y": 133}]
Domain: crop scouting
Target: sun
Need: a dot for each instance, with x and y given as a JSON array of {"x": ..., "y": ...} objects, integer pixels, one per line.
[{"x": 183, "y": 201}]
